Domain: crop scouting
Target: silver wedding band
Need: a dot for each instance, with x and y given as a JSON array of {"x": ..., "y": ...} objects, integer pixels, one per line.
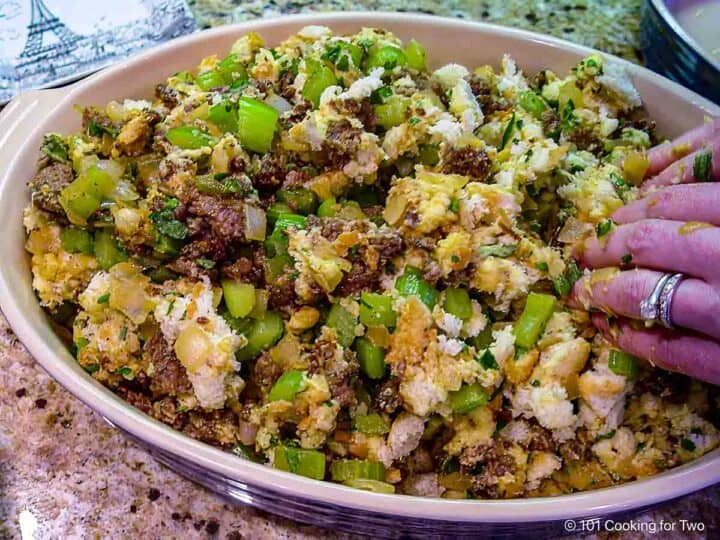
[{"x": 657, "y": 307}]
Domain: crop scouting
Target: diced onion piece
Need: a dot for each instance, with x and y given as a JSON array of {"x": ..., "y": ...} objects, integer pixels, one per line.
[
  {"x": 247, "y": 432},
  {"x": 395, "y": 208},
  {"x": 573, "y": 230},
  {"x": 115, "y": 111},
  {"x": 127, "y": 293},
  {"x": 192, "y": 347},
  {"x": 127, "y": 220},
  {"x": 279, "y": 103},
  {"x": 255, "y": 222},
  {"x": 125, "y": 191}
]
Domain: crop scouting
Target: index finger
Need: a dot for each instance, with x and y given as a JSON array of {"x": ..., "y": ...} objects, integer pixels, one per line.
[{"x": 662, "y": 156}]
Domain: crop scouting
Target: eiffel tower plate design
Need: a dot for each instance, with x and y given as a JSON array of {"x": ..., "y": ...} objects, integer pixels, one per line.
[{"x": 46, "y": 43}]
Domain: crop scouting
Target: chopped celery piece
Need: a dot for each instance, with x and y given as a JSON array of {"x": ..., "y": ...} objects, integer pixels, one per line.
[
  {"x": 310, "y": 463},
  {"x": 372, "y": 424},
  {"x": 344, "y": 324},
  {"x": 75, "y": 240},
  {"x": 413, "y": 283},
  {"x": 392, "y": 112},
  {"x": 468, "y": 398},
  {"x": 86, "y": 193},
  {"x": 538, "y": 309},
  {"x": 457, "y": 302},
  {"x": 276, "y": 210},
  {"x": 319, "y": 78},
  {"x": 277, "y": 265},
  {"x": 231, "y": 68},
  {"x": 622, "y": 363},
  {"x": 328, "y": 208},
  {"x": 702, "y": 166},
  {"x": 370, "y": 485},
  {"x": 224, "y": 116},
  {"x": 387, "y": 57},
  {"x": 300, "y": 200},
  {"x": 377, "y": 310},
  {"x": 532, "y": 103},
  {"x": 257, "y": 122},
  {"x": 239, "y": 297},
  {"x": 107, "y": 251},
  {"x": 371, "y": 358},
  {"x": 189, "y": 137},
  {"x": 209, "y": 183},
  {"x": 416, "y": 55},
  {"x": 262, "y": 334},
  {"x": 351, "y": 210},
  {"x": 210, "y": 79},
  {"x": 276, "y": 244},
  {"x": 342, "y": 470},
  {"x": 290, "y": 220},
  {"x": 288, "y": 386}
]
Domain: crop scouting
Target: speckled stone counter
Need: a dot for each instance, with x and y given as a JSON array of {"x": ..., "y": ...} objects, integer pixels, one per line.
[{"x": 65, "y": 473}]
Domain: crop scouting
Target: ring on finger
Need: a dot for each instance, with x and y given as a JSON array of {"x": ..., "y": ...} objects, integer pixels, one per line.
[
  {"x": 666, "y": 297},
  {"x": 650, "y": 306}
]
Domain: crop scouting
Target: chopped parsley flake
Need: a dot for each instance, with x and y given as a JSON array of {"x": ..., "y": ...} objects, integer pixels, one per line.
[
  {"x": 207, "y": 264},
  {"x": 487, "y": 360},
  {"x": 603, "y": 227},
  {"x": 688, "y": 445}
]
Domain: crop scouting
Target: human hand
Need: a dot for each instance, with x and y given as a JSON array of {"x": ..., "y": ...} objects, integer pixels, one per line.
[{"x": 673, "y": 228}]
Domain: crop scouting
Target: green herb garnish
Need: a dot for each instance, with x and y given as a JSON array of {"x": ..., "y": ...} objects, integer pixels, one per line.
[
  {"x": 487, "y": 360},
  {"x": 508, "y": 132},
  {"x": 207, "y": 264},
  {"x": 688, "y": 445},
  {"x": 604, "y": 227},
  {"x": 167, "y": 224},
  {"x": 54, "y": 147}
]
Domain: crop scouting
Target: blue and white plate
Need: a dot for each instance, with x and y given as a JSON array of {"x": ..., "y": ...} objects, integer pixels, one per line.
[{"x": 46, "y": 43}]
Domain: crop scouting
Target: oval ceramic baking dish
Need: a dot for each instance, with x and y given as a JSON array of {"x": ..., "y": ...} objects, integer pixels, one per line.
[{"x": 29, "y": 116}]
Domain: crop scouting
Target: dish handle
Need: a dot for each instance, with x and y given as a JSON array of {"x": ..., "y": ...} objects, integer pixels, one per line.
[{"x": 16, "y": 119}]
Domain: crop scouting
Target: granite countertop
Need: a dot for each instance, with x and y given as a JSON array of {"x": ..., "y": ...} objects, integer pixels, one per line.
[{"x": 66, "y": 473}]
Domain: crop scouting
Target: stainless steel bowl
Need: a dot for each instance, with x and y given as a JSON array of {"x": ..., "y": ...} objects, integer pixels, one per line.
[{"x": 671, "y": 51}]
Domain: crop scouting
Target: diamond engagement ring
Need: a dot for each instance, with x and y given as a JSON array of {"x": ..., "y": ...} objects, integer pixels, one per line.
[
  {"x": 666, "y": 298},
  {"x": 650, "y": 307}
]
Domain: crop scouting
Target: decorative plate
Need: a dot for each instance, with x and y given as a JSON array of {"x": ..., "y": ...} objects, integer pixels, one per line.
[{"x": 46, "y": 43}]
